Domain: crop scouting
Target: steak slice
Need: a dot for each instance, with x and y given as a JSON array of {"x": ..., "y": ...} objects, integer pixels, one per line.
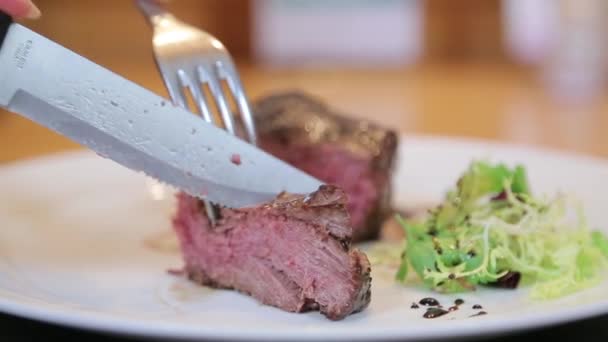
[
  {"x": 293, "y": 253},
  {"x": 356, "y": 155}
]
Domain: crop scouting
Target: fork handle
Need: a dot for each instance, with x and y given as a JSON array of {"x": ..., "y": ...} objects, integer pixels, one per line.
[
  {"x": 5, "y": 23},
  {"x": 152, "y": 9}
]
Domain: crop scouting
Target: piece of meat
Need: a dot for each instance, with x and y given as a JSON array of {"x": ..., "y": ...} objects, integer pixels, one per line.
[
  {"x": 293, "y": 253},
  {"x": 356, "y": 155}
]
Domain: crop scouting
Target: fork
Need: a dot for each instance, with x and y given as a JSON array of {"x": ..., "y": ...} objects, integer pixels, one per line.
[{"x": 190, "y": 59}]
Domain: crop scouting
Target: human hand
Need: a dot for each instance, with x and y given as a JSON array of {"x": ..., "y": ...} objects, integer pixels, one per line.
[{"x": 20, "y": 9}]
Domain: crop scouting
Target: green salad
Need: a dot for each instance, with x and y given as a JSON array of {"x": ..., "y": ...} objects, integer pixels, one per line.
[{"x": 491, "y": 230}]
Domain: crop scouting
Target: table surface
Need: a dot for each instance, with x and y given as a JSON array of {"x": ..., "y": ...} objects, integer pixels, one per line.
[
  {"x": 495, "y": 102},
  {"x": 483, "y": 101}
]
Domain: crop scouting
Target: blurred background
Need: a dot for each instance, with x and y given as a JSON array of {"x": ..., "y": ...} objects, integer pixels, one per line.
[{"x": 522, "y": 71}]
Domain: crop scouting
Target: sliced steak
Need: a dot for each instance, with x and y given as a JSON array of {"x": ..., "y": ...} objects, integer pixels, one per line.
[
  {"x": 293, "y": 253},
  {"x": 356, "y": 155}
]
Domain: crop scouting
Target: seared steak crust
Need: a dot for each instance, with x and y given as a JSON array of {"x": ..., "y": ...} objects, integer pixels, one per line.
[{"x": 356, "y": 155}]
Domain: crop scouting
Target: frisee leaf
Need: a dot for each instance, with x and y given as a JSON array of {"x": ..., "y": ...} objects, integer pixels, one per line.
[
  {"x": 600, "y": 241},
  {"x": 490, "y": 224}
]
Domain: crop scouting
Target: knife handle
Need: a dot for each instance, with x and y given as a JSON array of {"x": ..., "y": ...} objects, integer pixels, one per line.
[{"x": 5, "y": 22}]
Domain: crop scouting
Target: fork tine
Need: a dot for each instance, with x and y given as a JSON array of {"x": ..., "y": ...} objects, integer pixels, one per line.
[
  {"x": 210, "y": 77},
  {"x": 201, "y": 102},
  {"x": 186, "y": 82},
  {"x": 210, "y": 211},
  {"x": 175, "y": 93},
  {"x": 238, "y": 92}
]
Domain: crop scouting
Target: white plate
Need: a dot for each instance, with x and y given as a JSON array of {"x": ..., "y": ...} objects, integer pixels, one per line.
[{"x": 81, "y": 244}]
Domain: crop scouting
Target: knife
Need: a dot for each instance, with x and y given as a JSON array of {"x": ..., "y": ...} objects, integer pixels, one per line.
[{"x": 120, "y": 120}]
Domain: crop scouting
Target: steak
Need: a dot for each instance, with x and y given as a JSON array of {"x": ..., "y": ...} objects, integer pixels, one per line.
[
  {"x": 356, "y": 155},
  {"x": 293, "y": 253}
]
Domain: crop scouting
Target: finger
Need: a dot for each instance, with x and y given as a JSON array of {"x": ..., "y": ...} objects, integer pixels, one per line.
[{"x": 20, "y": 8}]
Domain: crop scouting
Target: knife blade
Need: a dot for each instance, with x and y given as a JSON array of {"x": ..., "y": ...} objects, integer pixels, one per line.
[{"x": 120, "y": 120}]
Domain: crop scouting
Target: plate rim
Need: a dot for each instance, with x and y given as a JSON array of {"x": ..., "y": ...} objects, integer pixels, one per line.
[{"x": 94, "y": 321}]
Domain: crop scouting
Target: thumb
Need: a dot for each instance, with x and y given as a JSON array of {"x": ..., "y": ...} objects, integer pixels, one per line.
[{"x": 20, "y": 9}]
